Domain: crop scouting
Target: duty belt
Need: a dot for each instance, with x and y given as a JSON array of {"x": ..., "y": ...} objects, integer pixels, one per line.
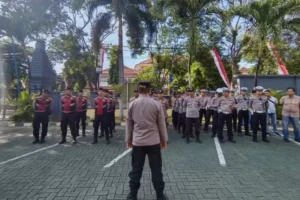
[
  {"x": 259, "y": 111},
  {"x": 226, "y": 112},
  {"x": 244, "y": 109},
  {"x": 214, "y": 109}
]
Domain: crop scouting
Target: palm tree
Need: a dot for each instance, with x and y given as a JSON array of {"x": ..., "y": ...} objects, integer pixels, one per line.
[
  {"x": 135, "y": 15},
  {"x": 268, "y": 19},
  {"x": 190, "y": 14}
]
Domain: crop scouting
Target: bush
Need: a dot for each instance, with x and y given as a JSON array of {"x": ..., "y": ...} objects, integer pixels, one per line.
[
  {"x": 25, "y": 110},
  {"x": 278, "y": 94}
]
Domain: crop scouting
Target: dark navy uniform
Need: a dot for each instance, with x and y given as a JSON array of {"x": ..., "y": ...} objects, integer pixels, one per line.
[
  {"x": 82, "y": 103},
  {"x": 42, "y": 106}
]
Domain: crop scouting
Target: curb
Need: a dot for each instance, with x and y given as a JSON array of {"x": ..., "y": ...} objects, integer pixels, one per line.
[{"x": 57, "y": 124}]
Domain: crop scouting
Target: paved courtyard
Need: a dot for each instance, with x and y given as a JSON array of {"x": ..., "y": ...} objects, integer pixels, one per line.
[{"x": 97, "y": 172}]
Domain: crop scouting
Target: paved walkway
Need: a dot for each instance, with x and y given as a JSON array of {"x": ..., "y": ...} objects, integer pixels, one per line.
[{"x": 50, "y": 171}]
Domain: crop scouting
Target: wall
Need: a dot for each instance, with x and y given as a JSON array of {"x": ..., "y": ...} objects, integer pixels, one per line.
[{"x": 275, "y": 82}]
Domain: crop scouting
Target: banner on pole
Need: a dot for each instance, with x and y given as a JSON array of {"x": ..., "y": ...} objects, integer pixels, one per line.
[
  {"x": 281, "y": 66},
  {"x": 220, "y": 67}
]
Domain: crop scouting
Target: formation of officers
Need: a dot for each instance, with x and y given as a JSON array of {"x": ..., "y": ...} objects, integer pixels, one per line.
[
  {"x": 223, "y": 107},
  {"x": 74, "y": 111}
]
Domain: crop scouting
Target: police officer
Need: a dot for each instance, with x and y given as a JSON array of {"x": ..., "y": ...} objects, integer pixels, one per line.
[
  {"x": 181, "y": 115},
  {"x": 101, "y": 106},
  {"x": 175, "y": 111},
  {"x": 259, "y": 106},
  {"x": 203, "y": 101},
  {"x": 42, "y": 110},
  {"x": 110, "y": 114},
  {"x": 214, "y": 106},
  {"x": 225, "y": 105},
  {"x": 146, "y": 134},
  {"x": 68, "y": 105},
  {"x": 81, "y": 102},
  {"x": 234, "y": 112},
  {"x": 192, "y": 105},
  {"x": 209, "y": 110},
  {"x": 242, "y": 104},
  {"x": 136, "y": 95},
  {"x": 165, "y": 104}
]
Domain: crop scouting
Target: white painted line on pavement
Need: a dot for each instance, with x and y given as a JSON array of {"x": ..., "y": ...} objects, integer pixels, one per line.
[
  {"x": 291, "y": 140},
  {"x": 117, "y": 158},
  {"x": 220, "y": 152},
  {"x": 27, "y": 154}
]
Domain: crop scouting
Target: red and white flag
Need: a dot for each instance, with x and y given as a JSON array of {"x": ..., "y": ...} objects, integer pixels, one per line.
[
  {"x": 281, "y": 66},
  {"x": 220, "y": 66}
]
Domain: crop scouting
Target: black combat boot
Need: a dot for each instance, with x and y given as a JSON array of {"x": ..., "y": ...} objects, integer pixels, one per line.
[
  {"x": 132, "y": 196},
  {"x": 42, "y": 140},
  {"x": 198, "y": 139},
  {"x": 161, "y": 196},
  {"x": 36, "y": 141},
  {"x": 63, "y": 141},
  {"x": 83, "y": 132}
]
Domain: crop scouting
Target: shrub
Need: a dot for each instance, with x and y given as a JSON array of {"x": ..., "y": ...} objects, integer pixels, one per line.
[{"x": 25, "y": 110}]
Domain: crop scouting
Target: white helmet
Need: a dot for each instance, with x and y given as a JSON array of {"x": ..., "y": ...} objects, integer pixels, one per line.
[{"x": 219, "y": 91}]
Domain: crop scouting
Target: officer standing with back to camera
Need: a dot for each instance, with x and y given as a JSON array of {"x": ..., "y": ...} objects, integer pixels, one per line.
[
  {"x": 234, "y": 112},
  {"x": 68, "y": 105},
  {"x": 215, "y": 106},
  {"x": 259, "y": 106},
  {"x": 225, "y": 105},
  {"x": 192, "y": 105},
  {"x": 82, "y": 103},
  {"x": 101, "y": 104},
  {"x": 242, "y": 104},
  {"x": 42, "y": 111},
  {"x": 136, "y": 95},
  {"x": 209, "y": 110},
  {"x": 146, "y": 134}
]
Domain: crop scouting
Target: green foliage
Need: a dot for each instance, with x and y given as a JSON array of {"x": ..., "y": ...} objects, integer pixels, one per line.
[
  {"x": 25, "y": 108},
  {"x": 114, "y": 66},
  {"x": 118, "y": 89},
  {"x": 147, "y": 74}
]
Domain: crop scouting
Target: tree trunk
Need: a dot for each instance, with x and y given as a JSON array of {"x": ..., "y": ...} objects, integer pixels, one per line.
[
  {"x": 258, "y": 63},
  {"x": 189, "y": 70},
  {"x": 121, "y": 60},
  {"x": 235, "y": 71}
]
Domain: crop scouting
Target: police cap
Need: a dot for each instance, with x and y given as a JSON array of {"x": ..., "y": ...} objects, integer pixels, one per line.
[
  {"x": 212, "y": 91},
  {"x": 136, "y": 90},
  {"x": 160, "y": 92},
  {"x": 69, "y": 88},
  {"x": 259, "y": 88},
  {"x": 225, "y": 90},
  {"x": 203, "y": 90},
  {"x": 45, "y": 91},
  {"x": 219, "y": 90},
  {"x": 187, "y": 89},
  {"x": 232, "y": 90},
  {"x": 244, "y": 89},
  {"x": 144, "y": 84}
]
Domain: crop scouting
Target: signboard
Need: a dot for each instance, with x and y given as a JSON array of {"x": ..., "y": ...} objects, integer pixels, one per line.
[{"x": 98, "y": 70}]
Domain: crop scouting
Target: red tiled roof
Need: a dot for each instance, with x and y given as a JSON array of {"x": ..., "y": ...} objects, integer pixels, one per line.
[{"x": 128, "y": 73}]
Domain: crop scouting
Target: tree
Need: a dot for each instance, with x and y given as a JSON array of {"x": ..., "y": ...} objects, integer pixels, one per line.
[
  {"x": 28, "y": 20},
  {"x": 114, "y": 66},
  {"x": 269, "y": 18},
  {"x": 135, "y": 14},
  {"x": 190, "y": 15}
]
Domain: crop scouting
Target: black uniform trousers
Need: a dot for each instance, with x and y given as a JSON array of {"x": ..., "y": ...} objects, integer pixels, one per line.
[
  {"x": 40, "y": 118},
  {"x": 81, "y": 116},
  {"x": 259, "y": 119},
  {"x": 103, "y": 120},
  {"x": 175, "y": 119},
  {"x": 155, "y": 161},
  {"x": 181, "y": 122},
  {"x": 209, "y": 115},
  {"x": 190, "y": 122},
  {"x": 234, "y": 119},
  {"x": 68, "y": 119},
  {"x": 215, "y": 122},
  {"x": 221, "y": 120},
  {"x": 202, "y": 113},
  {"x": 114, "y": 120},
  {"x": 243, "y": 115},
  {"x": 110, "y": 116}
]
